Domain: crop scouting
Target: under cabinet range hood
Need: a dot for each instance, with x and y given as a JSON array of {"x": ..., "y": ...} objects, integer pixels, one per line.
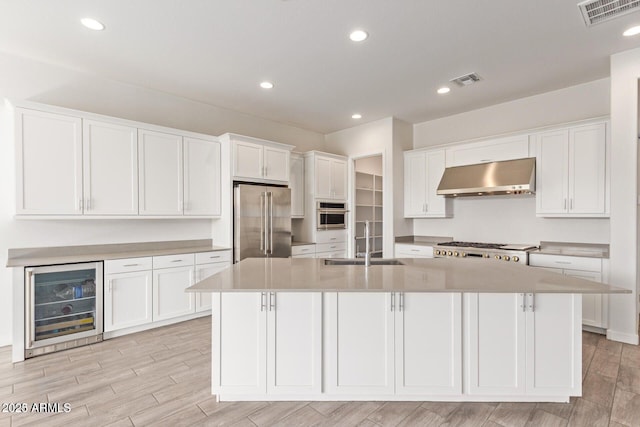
[{"x": 486, "y": 179}]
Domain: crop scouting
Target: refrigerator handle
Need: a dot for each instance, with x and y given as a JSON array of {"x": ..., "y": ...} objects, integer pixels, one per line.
[
  {"x": 262, "y": 242},
  {"x": 271, "y": 222},
  {"x": 266, "y": 224}
]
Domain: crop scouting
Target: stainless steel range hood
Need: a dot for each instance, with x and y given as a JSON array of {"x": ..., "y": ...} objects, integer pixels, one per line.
[{"x": 506, "y": 177}]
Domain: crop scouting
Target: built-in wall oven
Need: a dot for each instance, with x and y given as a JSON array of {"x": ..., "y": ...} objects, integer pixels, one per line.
[
  {"x": 63, "y": 307},
  {"x": 331, "y": 215}
]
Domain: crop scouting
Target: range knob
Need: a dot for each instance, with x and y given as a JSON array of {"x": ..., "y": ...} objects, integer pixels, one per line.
[
  {"x": 449, "y": 253},
  {"x": 455, "y": 253},
  {"x": 485, "y": 255},
  {"x": 515, "y": 258},
  {"x": 463, "y": 254},
  {"x": 437, "y": 251},
  {"x": 498, "y": 257},
  {"x": 506, "y": 257}
]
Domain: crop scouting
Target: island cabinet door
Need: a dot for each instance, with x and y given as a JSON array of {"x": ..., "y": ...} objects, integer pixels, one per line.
[
  {"x": 428, "y": 338},
  {"x": 239, "y": 333},
  {"x": 495, "y": 343},
  {"x": 359, "y": 345},
  {"x": 554, "y": 343},
  {"x": 294, "y": 343}
]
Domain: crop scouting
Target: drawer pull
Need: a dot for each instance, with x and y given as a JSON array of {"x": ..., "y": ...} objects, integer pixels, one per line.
[
  {"x": 333, "y": 238},
  {"x": 333, "y": 247},
  {"x": 415, "y": 250},
  {"x": 130, "y": 265},
  {"x": 177, "y": 260},
  {"x": 212, "y": 257},
  {"x": 562, "y": 262}
]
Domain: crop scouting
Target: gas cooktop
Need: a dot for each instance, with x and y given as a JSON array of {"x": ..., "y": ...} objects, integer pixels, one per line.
[{"x": 491, "y": 246}]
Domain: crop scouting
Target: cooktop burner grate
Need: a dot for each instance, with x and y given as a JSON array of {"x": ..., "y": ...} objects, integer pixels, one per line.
[{"x": 473, "y": 245}]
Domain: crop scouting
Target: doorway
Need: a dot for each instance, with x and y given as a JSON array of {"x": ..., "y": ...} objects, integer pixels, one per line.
[{"x": 368, "y": 181}]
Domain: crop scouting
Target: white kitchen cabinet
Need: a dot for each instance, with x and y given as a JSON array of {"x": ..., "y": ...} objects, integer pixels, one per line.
[
  {"x": 110, "y": 169},
  {"x": 359, "y": 343},
  {"x": 127, "y": 299},
  {"x": 523, "y": 344},
  {"x": 428, "y": 343},
  {"x": 201, "y": 177},
  {"x": 329, "y": 176},
  {"x": 169, "y": 297},
  {"x": 267, "y": 343},
  {"x": 296, "y": 183},
  {"x": 595, "y": 307},
  {"x": 496, "y": 330},
  {"x": 206, "y": 269},
  {"x": 571, "y": 172},
  {"x": 407, "y": 250},
  {"x": 261, "y": 160},
  {"x": 493, "y": 150},
  {"x": 160, "y": 168},
  {"x": 49, "y": 163},
  {"x": 423, "y": 171},
  {"x": 303, "y": 251}
]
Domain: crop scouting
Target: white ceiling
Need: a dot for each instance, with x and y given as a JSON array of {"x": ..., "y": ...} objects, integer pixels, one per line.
[{"x": 217, "y": 51}]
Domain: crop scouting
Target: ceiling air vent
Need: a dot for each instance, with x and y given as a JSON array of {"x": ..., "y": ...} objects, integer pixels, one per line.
[
  {"x": 467, "y": 79},
  {"x": 597, "y": 11}
]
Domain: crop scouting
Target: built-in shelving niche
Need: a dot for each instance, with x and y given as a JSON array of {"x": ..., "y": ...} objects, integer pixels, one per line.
[{"x": 368, "y": 206}]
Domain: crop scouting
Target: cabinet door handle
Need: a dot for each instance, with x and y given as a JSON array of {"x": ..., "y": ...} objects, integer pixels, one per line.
[
  {"x": 272, "y": 301},
  {"x": 565, "y": 203},
  {"x": 401, "y": 301},
  {"x": 110, "y": 285},
  {"x": 80, "y": 205},
  {"x": 263, "y": 301},
  {"x": 523, "y": 304},
  {"x": 392, "y": 300},
  {"x": 571, "y": 203},
  {"x": 87, "y": 204},
  {"x": 426, "y": 207},
  {"x": 532, "y": 305}
]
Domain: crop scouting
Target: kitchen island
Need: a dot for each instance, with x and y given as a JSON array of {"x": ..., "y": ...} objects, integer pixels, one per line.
[{"x": 428, "y": 329}]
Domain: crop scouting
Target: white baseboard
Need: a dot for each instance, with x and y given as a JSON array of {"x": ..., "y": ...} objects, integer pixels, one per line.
[{"x": 624, "y": 337}]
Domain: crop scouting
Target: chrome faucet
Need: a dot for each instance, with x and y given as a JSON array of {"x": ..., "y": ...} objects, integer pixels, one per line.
[{"x": 367, "y": 249}]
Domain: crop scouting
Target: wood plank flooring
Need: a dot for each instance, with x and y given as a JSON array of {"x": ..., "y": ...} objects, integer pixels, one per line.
[{"x": 162, "y": 378}]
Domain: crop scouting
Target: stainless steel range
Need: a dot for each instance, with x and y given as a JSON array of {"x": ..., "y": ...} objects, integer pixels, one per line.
[{"x": 488, "y": 251}]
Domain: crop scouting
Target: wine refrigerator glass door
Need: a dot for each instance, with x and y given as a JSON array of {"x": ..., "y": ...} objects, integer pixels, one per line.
[{"x": 64, "y": 303}]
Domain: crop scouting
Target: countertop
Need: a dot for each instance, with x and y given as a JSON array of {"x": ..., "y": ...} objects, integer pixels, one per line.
[
  {"x": 417, "y": 275},
  {"x": 71, "y": 254},
  {"x": 588, "y": 250},
  {"x": 422, "y": 240}
]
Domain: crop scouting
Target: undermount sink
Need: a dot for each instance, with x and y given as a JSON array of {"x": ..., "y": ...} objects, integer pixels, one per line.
[{"x": 360, "y": 261}]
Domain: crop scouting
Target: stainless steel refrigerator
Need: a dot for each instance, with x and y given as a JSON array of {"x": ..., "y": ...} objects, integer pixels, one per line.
[{"x": 262, "y": 222}]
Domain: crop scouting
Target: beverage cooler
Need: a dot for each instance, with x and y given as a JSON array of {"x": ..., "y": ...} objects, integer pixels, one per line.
[{"x": 63, "y": 307}]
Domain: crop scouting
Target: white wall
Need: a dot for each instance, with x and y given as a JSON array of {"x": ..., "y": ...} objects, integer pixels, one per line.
[
  {"x": 512, "y": 219},
  {"x": 625, "y": 72},
  {"x": 24, "y": 79},
  {"x": 372, "y": 165},
  {"x": 565, "y": 105}
]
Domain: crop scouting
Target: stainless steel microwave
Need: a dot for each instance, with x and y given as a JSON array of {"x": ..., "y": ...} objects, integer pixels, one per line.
[{"x": 331, "y": 215}]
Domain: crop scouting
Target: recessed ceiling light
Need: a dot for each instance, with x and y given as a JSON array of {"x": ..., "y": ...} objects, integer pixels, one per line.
[
  {"x": 632, "y": 31},
  {"x": 443, "y": 90},
  {"x": 356, "y": 116},
  {"x": 266, "y": 85},
  {"x": 92, "y": 24},
  {"x": 358, "y": 35}
]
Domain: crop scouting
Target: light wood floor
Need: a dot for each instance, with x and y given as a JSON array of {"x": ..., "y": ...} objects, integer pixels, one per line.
[{"x": 162, "y": 377}]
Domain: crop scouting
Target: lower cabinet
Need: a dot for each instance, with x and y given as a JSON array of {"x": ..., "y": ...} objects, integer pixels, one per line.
[
  {"x": 393, "y": 343},
  {"x": 127, "y": 299},
  {"x": 267, "y": 343},
  {"x": 169, "y": 296},
  {"x": 523, "y": 344},
  {"x": 140, "y": 291}
]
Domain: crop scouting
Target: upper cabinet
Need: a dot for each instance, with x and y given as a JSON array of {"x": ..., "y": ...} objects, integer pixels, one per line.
[
  {"x": 160, "y": 164},
  {"x": 572, "y": 176},
  {"x": 110, "y": 169},
  {"x": 494, "y": 150},
  {"x": 201, "y": 177},
  {"x": 49, "y": 163},
  {"x": 296, "y": 183},
  {"x": 329, "y": 175},
  {"x": 422, "y": 173},
  {"x": 259, "y": 160},
  {"x": 71, "y": 163}
]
